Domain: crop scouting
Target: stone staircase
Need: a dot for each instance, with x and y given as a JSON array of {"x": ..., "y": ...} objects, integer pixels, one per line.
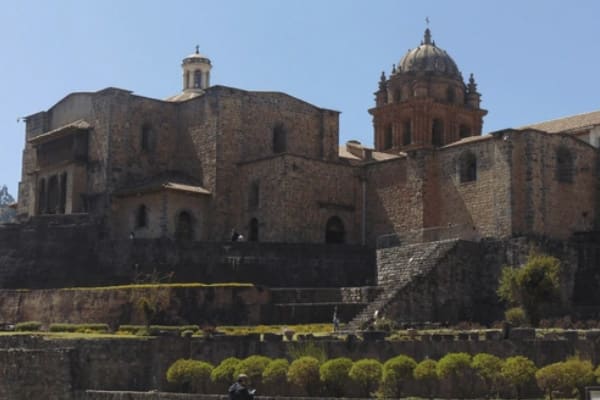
[{"x": 409, "y": 263}]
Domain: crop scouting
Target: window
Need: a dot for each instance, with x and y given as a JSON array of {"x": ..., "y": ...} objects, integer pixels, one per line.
[
  {"x": 42, "y": 196},
  {"x": 437, "y": 132},
  {"x": 564, "y": 165},
  {"x": 335, "y": 232},
  {"x": 467, "y": 167},
  {"x": 397, "y": 95},
  {"x": 141, "y": 216},
  {"x": 464, "y": 131},
  {"x": 406, "y": 133},
  {"x": 184, "y": 226},
  {"x": 53, "y": 195},
  {"x": 253, "y": 230},
  {"x": 388, "y": 137},
  {"x": 148, "y": 139},
  {"x": 279, "y": 139},
  {"x": 62, "y": 199},
  {"x": 254, "y": 195},
  {"x": 198, "y": 79},
  {"x": 450, "y": 94}
]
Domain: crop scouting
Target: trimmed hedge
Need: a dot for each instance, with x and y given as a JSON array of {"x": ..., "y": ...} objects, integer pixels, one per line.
[
  {"x": 28, "y": 326},
  {"x": 65, "y": 327}
]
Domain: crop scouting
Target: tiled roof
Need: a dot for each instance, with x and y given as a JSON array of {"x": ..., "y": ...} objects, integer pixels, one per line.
[
  {"x": 159, "y": 185},
  {"x": 469, "y": 139},
  {"x": 572, "y": 123},
  {"x": 60, "y": 132}
]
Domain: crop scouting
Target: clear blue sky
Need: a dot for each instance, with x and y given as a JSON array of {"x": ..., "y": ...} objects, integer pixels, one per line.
[{"x": 533, "y": 60}]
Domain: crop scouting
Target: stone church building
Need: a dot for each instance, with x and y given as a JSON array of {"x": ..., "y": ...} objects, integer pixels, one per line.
[{"x": 212, "y": 159}]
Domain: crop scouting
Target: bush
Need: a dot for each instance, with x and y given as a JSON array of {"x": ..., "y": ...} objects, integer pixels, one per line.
[
  {"x": 334, "y": 375},
  {"x": 578, "y": 374},
  {"x": 456, "y": 369},
  {"x": 517, "y": 372},
  {"x": 515, "y": 316},
  {"x": 275, "y": 376},
  {"x": 396, "y": 372},
  {"x": 253, "y": 366},
  {"x": 190, "y": 375},
  {"x": 99, "y": 328},
  {"x": 425, "y": 372},
  {"x": 367, "y": 375},
  {"x": 304, "y": 373},
  {"x": 488, "y": 367},
  {"x": 223, "y": 374},
  {"x": 549, "y": 378},
  {"x": 29, "y": 326}
]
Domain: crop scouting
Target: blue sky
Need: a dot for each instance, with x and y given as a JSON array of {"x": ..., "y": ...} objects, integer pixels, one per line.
[{"x": 533, "y": 60}]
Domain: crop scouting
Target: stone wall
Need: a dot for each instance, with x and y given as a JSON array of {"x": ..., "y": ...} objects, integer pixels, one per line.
[{"x": 65, "y": 251}]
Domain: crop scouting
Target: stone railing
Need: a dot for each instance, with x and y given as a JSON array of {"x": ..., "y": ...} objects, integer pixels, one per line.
[{"x": 425, "y": 235}]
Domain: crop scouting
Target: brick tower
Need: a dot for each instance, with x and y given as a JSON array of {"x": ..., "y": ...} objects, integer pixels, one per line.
[{"x": 425, "y": 103}]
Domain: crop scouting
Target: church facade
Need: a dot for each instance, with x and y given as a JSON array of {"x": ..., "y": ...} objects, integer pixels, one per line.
[{"x": 213, "y": 159}]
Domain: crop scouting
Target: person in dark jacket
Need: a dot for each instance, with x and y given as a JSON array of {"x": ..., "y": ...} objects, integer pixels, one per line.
[{"x": 239, "y": 390}]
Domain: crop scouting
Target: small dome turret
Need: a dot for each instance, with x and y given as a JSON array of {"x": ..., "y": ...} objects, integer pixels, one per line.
[
  {"x": 196, "y": 72},
  {"x": 428, "y": 58}
]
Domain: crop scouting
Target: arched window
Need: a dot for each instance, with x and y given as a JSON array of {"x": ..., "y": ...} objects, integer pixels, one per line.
[
  {"x": 279, "y": 139},
  {"x": 335, "y": 231},
  {"x": 397, "y": 95},
  {"x": 388, "y": 137},
  {"x": 467, "y": 167},
  {"x": 564, "y": 165},
  {"x": 53, "y": 194},
  {"x": 406, "y": 133},
  {"x": 464, "y": 131},
  {"x": 253, "y": 230},
  {"x": 437, "y": 132},
  {"x": 254, "y": 195},
  {"x": 62, "y": 199},
  {"x": 184, "y": 226},
  {"x": 197, "y": 78},
  {"x": 148, "y": 138},
  {"x": 141, "y": 216}
]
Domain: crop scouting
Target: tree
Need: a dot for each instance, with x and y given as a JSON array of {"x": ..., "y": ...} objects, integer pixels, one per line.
[
  {"x": 426, "y": 373},
  {"x": 456, "y": 369},
  {"x": 488, "y": 368},
  {"x": 367, "y": 375},
  {"x": 396, "y": 372},
  {"x": 304, "y": 373},
  {"x": 550, "y": 378},
  {"x": 253, "y": 366},
  {"x": 223, "y": 374},
  {"x": 334, "y": 375},
  {"x": 190, "y": 375},
  {"x": 517, "y": 372},
  {"x": 275, "y": 376},
  {"x": 577, "y": 375},
  {"x": 535, "y": 284}
]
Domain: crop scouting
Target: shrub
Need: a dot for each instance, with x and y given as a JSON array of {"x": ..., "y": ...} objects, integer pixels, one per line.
[
  {"x": 517, "y": 372},
  {"x": 425, "y": 372},
  {"x": 488, "y": 368},
  {"x": 99, "y": 328},
  {"x": 549, "y": 378},
  {"x": 578, "y": 374},
  {"x": 29, "y": 326},
  {"x": 304, "y": 373},
  {"x": 367, "y": 375},
  {"x": 189, "y": 375},
  {"x": 253, "y": 366},
  {"x": 223, "y": 374},
  {"x": 456, "y": 369},
  {"x": 275, "y": 376},
  {"x": 334, "y": 375},
  {"x": 515, "y": 316},
  {"x": 396, "y": 372},
  {"x": 307, "y": 349}
]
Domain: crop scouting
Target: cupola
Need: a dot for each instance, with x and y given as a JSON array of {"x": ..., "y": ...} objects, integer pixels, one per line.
[{"x": 196, "y": 72}]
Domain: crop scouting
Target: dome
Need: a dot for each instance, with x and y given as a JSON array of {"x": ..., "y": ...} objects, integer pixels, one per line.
[
  {"x": 196, "y": 58},
  {"x": 428, "y": 58}
]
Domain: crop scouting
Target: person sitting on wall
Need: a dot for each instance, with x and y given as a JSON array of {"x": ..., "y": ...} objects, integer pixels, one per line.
[{"x": 239, "y": 390}]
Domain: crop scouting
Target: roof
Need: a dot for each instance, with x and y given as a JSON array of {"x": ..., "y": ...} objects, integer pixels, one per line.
[
  {"x": 161, "y": 184},
  {"x": 469, "y": 139},
  {"x": 185, "y": 95},
  {"x": 63, "y": 131},
  {"x": 571, "y": 123}
]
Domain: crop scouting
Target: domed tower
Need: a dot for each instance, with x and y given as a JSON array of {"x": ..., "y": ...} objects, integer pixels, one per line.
[
  {"x": 196, "y": 72},
  {"x": 425, "y": 103}
]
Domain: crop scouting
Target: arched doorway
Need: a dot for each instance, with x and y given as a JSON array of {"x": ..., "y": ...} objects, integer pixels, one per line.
[
  {"x": 335, "y": 232},
  {"x": 184, "y": 226},
  {"x": 253, "y": 230}
]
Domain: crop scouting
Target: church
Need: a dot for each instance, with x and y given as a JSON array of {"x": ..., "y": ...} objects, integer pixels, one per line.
[{"x": 214, "y": 159}]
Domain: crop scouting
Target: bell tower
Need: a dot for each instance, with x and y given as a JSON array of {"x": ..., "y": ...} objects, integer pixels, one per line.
[
  {"x": 196, "y": 72},
  {"x": 424, "y": 103}
]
